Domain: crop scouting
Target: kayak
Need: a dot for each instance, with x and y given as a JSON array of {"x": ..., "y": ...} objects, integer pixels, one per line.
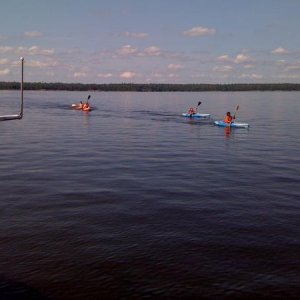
[
  {"x": 233, "y": 125},
  {"x": 76, "y": 106},
  {"x": 197, "y": 115}
]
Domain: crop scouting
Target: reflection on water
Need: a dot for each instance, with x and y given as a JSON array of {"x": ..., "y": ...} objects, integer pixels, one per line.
[
  {"x": 133, "y": 201},
  {"x": 227, "y": 131}
]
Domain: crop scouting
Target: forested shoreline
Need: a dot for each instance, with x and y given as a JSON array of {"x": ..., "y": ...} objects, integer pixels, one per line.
[{"x": 151, "y": 87}]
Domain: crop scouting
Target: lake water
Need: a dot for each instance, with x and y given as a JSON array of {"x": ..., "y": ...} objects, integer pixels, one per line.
[{"x": 133, "y": 201}]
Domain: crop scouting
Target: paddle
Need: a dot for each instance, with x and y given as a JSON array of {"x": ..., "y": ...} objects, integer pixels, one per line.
[
  {"x": 76, "y": 105},
  {"x": 198, "y": 106},
  {"x": 237, "y": 108},
  {"x": 196, "y": 109},
  {"x": 87, "y": 101}
]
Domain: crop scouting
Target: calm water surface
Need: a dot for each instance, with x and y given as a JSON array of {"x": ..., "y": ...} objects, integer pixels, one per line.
[{"x": 132, "y": 201}]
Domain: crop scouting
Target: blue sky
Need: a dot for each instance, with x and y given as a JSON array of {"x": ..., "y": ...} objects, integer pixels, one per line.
[{"x": 157, "y": 41}]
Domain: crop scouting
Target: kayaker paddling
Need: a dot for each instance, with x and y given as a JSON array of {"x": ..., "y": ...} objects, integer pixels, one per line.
[
  {"x": 86, "y": 106},
  {"x": 192, "y": 111},
  {"x": 228, "y": 121},
  {"x": 229, "y": 118}
]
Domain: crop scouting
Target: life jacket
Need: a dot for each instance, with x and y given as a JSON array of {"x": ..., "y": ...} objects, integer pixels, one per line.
[
  {"x": 228, "y": 119},
  {"x": 191, "y": 110}
]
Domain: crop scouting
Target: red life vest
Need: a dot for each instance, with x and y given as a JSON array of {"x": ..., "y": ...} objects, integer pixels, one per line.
[{"x": 228, "y": 119}]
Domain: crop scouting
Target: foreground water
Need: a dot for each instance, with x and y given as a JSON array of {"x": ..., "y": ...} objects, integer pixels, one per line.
[{"x": 133, "y": 201}]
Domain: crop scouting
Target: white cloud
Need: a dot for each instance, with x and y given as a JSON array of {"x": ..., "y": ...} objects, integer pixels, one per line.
[
  {"x": 152, "y": 51},
  {"x": 252, "y": 76},
  {"x": 128, "y": 75},
  {"x": 223, "y": 69},
  {"x": 172, "y": 75},
  {"x": 33, "y": 34},
  {"x": 34, "y": 50},
  {"x": 135, "y": 35},
  {"x": 52, "y": 74},
  {"x": 5, "y": 49},
  {"x": 79, "y": 75},
  {"x": 239, "y": 59},
  {"x": 243, "y": 59},
  {"x": 280, "y": 50},
  {"x": 199, "y": 31},
  {"x": 224, "y": 58},
  {"x": 104, "y": 75},
  {"x": 127, "y": 50},
  {"x": 41, "y": 64},
  {"x": 3, "y": 61},
  {"x": 157, "y": 75},
  {"x": 175, "y": 67},
  {"x": 248, "y": 66},
  {"x": 4, "y": 72}
]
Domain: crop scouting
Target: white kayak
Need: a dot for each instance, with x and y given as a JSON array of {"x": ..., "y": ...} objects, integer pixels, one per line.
[
  {"x": 234, "y": 125},
  {"x": 197, "y": 115}
]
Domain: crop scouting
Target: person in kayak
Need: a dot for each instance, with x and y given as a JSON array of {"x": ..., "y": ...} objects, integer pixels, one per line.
[
  {"x": 229, "y": 118},
  {"x": 86, "y": 106},
  {"x": 80, "y": 105},
  {"x": 192, "y": 111}
]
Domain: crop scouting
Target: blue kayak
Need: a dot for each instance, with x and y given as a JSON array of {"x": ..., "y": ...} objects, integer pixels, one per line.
[
  {"x": 197, "y": 115},
  {"x": 233, "y": 125}
]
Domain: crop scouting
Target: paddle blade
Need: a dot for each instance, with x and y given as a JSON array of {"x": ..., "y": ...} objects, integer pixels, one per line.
[
  {"x": 237, "y": 108},
  {"x": 199, "y": 103},
  {"x": 89, "y": 97}
]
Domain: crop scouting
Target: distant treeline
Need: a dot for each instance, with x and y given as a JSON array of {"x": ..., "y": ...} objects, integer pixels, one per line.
[{"x": 151, "y": 87}]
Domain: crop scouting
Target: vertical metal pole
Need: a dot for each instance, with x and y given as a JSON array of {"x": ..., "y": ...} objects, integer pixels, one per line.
[{"x": 22, "y": 78}]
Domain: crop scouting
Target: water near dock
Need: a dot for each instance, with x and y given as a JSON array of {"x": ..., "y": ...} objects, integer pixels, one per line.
[{"x": 133, "y": 201}]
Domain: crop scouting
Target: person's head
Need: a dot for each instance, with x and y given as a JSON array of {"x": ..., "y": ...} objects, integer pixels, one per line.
[{"x": 228, "y": 113}]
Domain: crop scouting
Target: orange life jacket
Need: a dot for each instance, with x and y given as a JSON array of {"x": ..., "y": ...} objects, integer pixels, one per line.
[{"x": 228, "y": 119}]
